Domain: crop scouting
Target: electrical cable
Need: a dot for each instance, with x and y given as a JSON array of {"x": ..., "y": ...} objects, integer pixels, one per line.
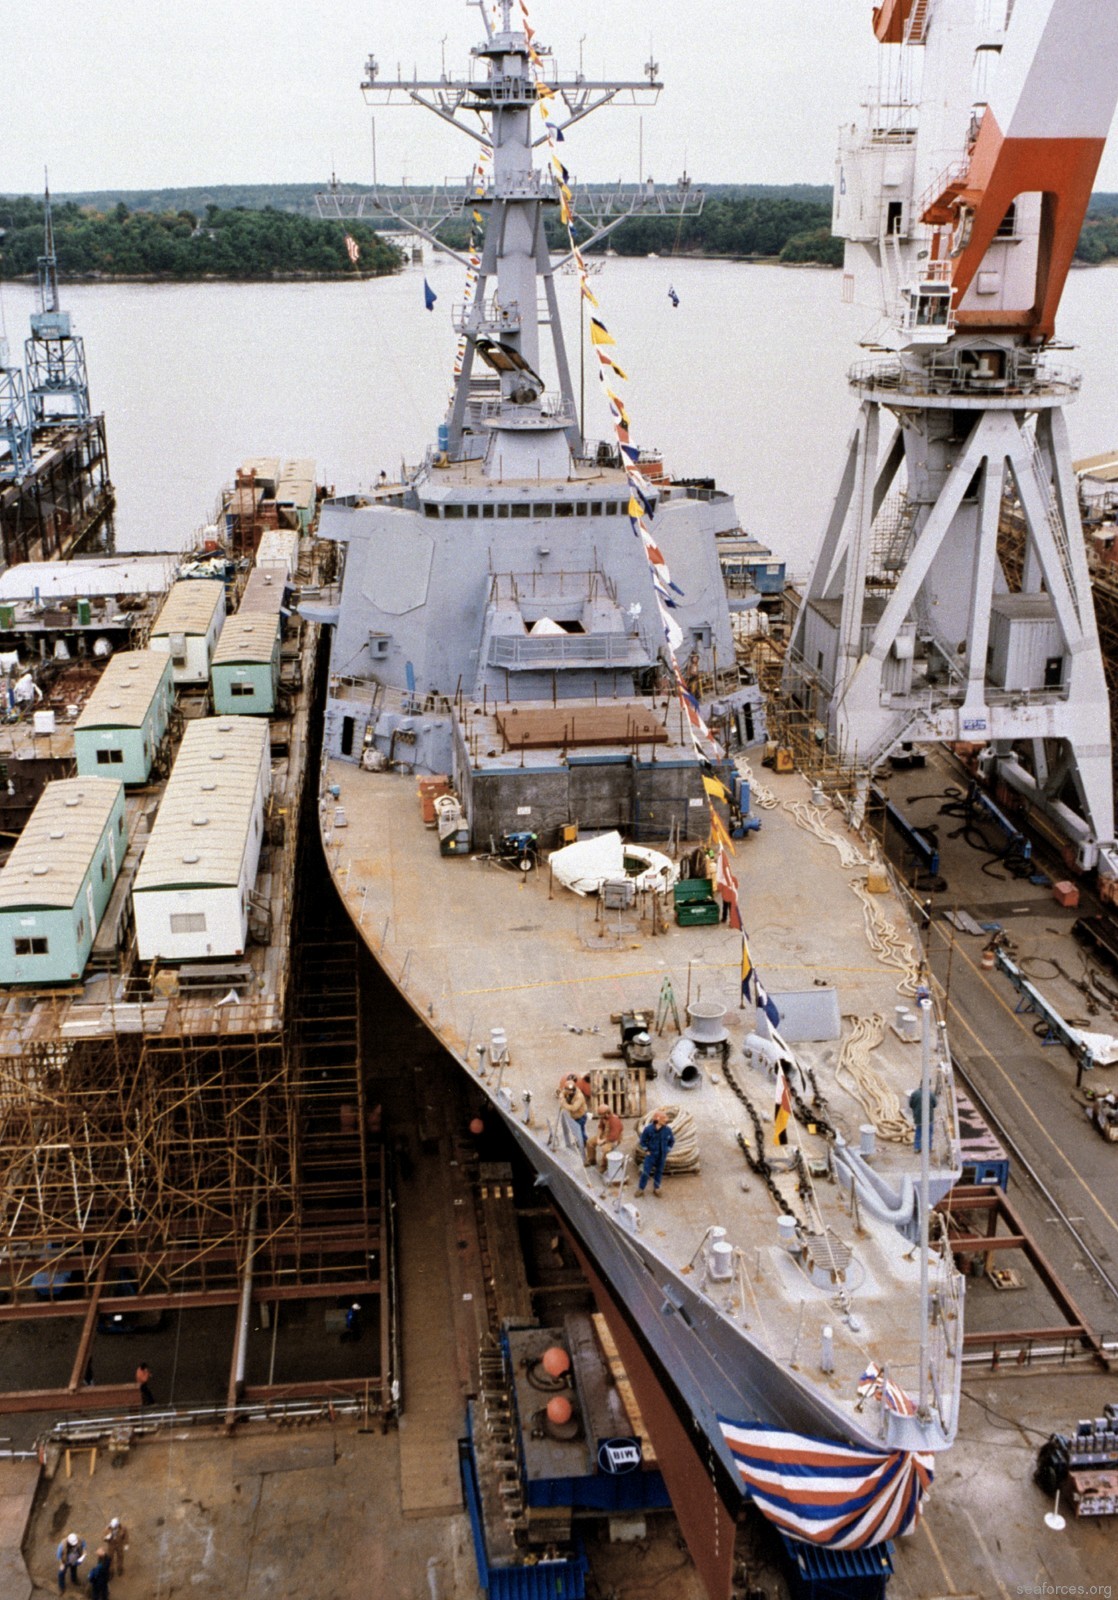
[{"x": 1010, "y": 1422}]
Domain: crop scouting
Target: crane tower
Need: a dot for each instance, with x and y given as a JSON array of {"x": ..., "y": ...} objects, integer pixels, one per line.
[{"x": 960, "y": 198}]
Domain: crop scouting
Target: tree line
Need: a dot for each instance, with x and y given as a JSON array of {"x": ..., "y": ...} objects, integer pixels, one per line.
[
  {"x": 240, "y": 233},
  {"x": 785, "y": 229},
  {"x": 224, "y": 242}
]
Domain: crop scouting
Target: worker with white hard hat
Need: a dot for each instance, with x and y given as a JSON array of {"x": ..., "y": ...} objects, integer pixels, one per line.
[
  {"x": 71, "y": 1554},
  {"x": 115, "y": 1540}
]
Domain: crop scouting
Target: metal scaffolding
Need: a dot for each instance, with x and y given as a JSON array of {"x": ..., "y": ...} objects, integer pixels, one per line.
[
  {"x": 64, "y": 503},
  {"x": 168, "y": 1150}
]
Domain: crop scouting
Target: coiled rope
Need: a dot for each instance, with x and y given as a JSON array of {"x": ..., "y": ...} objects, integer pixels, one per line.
[
  {"x": 759, "y": 793},
  {"x": 877, "y": 1098},
  {"x": 891, "y": 948},
  {"x": 684, "y": 1154},
  {"x": 806, "y": 815}
]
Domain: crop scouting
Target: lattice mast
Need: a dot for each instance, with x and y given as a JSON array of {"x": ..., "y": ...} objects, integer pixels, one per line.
[
  {"x": 961, "y": 200},
  {"x": 501, "y": 321},
  {"x": 57, "y": 384}
]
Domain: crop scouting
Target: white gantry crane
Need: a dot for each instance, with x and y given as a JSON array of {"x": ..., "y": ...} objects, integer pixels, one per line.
[{"x": 961, "y": 198}]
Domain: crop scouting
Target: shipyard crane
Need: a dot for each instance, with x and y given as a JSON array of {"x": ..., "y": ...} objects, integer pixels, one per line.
[
  {"x": 960, "y": 198},
  {"x": 57, "y": 383}
]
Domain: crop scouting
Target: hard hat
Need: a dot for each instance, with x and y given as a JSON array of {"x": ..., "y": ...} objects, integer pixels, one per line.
[
  {"x": 114, "y": 1522},
  {"x": 356, "y": 1306},
  {"x": 72, "y": 1538}
]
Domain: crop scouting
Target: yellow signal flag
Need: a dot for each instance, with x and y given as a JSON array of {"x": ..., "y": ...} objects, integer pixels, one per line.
[
  {"x": 716, "y": 789},
  {"x": 782, "y": 1108},
  {"x": 718, "y": 832},
  {"x": 599, "y": 333}
]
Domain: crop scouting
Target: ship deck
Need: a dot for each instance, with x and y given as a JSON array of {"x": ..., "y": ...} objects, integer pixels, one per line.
[{"x": 475, "y": 947}]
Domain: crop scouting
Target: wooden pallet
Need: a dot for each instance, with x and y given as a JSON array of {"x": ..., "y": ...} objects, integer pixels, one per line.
[
  {"x": 624, "y": 1387},
  {"x": 620, "y": 1088}
]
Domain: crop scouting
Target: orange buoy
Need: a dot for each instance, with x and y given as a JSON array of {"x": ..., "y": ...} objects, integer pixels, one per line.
[
  {"x": 559, "y": 1409},
  {"x": 555, "y": 1362},
  {"x": 477, "y": 1126}
]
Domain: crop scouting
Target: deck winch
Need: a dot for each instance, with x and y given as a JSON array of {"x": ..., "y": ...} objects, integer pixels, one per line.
[{"x": 707, "y": 1032}]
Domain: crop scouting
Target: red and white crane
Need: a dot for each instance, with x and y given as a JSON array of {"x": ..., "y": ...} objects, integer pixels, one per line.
[{"x": 961, "y": 196}]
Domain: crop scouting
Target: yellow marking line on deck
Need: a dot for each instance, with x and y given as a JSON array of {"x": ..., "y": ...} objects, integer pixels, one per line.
[
  {"x": 986, "y": 1051},
  {"x": 647, "y": 972}
]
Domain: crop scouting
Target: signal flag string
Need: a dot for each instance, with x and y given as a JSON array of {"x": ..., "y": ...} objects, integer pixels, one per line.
[{"x": 641, "y": 510}]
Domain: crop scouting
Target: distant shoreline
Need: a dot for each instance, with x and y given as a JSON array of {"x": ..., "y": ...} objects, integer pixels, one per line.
[
  {"x": 206, "y": 277},
  {"x": 366, "y": 277}
]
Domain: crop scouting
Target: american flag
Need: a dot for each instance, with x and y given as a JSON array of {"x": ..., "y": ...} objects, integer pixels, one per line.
[
  {"x": 353, "y": 249},
  {"x": 825, "y": 1493}
]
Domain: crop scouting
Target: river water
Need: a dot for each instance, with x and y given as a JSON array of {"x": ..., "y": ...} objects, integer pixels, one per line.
[{"x": 744, "y": 381}]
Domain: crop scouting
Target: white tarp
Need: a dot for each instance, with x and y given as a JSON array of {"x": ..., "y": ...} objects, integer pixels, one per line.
[
  {"x": 583, "y": 867},
  {"x": 1103, "y": 1046}
]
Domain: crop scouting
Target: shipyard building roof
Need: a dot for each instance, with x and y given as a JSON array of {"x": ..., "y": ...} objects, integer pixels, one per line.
[
  {"x": 202, "y": 830},
  {"x": 190, "y": 606},
  {"x": 266, "y": 470},
  {"x": 263, "y": 592},
  {"x": 67, "y": 580},
  {"x": 1104, "y": 467},
  {"x": 278, "y": 547},
  {"x": 125, "y": 690},
  {"x": 51, "y": 856},
  {"x": 251, "y": 638}
]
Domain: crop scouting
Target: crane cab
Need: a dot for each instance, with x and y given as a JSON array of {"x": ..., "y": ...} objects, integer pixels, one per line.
[{"x": 928, "y": 317}]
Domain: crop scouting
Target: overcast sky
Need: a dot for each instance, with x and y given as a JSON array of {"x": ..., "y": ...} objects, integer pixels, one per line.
[{"x": 128, "y": 94}]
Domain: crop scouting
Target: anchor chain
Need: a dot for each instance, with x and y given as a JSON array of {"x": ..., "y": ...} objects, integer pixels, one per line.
[{"x": 757, "y": 1162}]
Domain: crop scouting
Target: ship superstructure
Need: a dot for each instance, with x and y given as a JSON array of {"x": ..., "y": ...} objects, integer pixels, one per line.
[
  {"x": 504, "y": 638},
  {"x": 960, "y": 197}
]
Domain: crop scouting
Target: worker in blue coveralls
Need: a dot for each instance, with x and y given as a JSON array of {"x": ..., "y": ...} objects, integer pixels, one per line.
[
  {"x": 99, "y": 1575},
  {"x": 916, "y": 1106},
  {"x": 656, "y": 1142}
]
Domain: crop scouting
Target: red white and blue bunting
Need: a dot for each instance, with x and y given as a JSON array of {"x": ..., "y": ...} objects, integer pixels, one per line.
[{"x": 839, "y": 1496}]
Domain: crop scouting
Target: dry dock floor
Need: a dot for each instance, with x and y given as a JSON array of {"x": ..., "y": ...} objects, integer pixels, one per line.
[{"x": 313, "y": 1513}]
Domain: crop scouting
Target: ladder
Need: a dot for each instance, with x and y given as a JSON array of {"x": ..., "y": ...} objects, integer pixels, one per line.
[{"x": 666, "y": 1007}]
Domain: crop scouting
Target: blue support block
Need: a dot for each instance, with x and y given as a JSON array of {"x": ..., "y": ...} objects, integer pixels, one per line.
[{"x": 816, "y": 1573}]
